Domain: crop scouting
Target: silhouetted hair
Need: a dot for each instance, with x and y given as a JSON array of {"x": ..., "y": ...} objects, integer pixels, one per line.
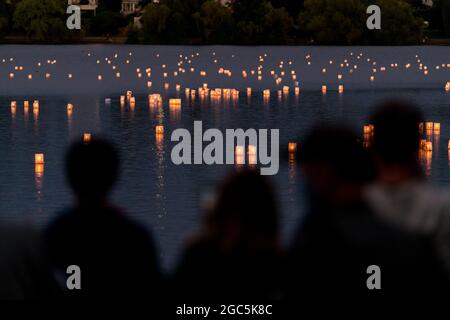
[
  {"x": 92, "y": 168},
  {"x": 246, "y": 203},
  {"x": 397, "y": 136},
  {"x": 340, "y": 148}
]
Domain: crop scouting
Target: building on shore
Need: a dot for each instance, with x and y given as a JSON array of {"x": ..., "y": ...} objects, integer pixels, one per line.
[
  {"x": 90, "y": 5},
  {"x": 130, "y": 6}
]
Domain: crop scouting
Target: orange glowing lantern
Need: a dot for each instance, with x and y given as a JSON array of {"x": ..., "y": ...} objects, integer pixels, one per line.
[
  {"x": 266, "y": 93},
  {"x": 429, "y": 146},
  {"x": 292, "y": 147},
  {"x": 87, "y": 137},
  {"x": 447, "y": 87},
  {"x": 11, "y": 75},
  {"x": 69, "y": 108},
  {"x": 174, "y": 103},
  {"x": 39, "y": 158},
  {"x": 429, "y": 125},
  {"x": 341, "y": 88},
  {"x": 437, "y": 127},
  {"x": 324, "y": 89},
  {"x": 423, "y": 143},
  {"x": 159, "y": 129},
  {"x": 30, "y": 76}
]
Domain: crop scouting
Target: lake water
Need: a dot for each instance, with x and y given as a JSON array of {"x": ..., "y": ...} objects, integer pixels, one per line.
[{"x": 164, "y": 197}]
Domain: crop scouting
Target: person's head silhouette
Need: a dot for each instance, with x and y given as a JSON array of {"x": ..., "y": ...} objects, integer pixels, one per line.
[
  {"x": 92, "y": 170},
  {"x": 397, "y": 139},
  {"x": 334, "y": 163},
  {"x": 246, "y": 216}
]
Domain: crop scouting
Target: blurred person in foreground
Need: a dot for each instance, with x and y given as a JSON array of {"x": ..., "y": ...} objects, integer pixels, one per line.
[
  {"x": 236, "y": 256},
  {"x": 401, "y": 195},
  {"x": 117, "y": 257},
  {"x": 342, "y": 237},
  {"x": 25, "y": 273}
]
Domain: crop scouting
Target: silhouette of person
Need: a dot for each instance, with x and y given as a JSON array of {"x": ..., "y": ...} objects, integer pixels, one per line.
[
  {"x": 401, "y": 195},
  {"x": 116, "y": 257},
  {"x": 341, "y": 237},
  {"x": 237, "y": 254}
]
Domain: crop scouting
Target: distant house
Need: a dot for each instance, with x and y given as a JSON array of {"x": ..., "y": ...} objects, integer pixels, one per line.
[
  {"x": 130, "y": 6},
  {"x": 90, "y": 5}
]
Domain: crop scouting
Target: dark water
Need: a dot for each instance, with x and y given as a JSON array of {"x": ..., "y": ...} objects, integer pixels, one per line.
[{"x": 164, "y": 197}]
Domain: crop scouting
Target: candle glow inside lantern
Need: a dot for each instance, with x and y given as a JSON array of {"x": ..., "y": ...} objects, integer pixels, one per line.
[
  {"x": 266, "y": 93},
  {"x": 341, "y": 88},
  {"x": 292, "y": 147},
  {"x": 324, "y": 89},
  {"x": 87, "y": 137},
  {"x": 39, "y": 158},
  {"x": 174, "y": 103},
  {"x": 429, "y": 146},
  {"x": 159, "y": 129},
  {"x": 69, "y": 107}
]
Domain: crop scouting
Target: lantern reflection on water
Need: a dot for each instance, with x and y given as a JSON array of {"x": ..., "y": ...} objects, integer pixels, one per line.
[{"x": 39, "y": 170}]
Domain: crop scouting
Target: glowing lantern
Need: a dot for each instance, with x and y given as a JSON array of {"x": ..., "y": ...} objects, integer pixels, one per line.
[
  {"x": 249, "y": 91},
  {"x": 30, "y": 76},
  {"x": 429, "y": 146},
  {"x": 87, "y": 137},
  {"x": 292, "y": 147},
  {"x": 13, "y": 104},
  {"x": 47, "y": 76},
  {"x": 118, "y": 75},
  {"x": 286, "y": 90},
  {"x": 447, "y": 87},
  {"x": 159, "y": 129},
  {"x": 178, "y": 87},
  {"x": 367, "y": 129},
  {"x": 35, "y": 105},
  {"x": 429, "y": 126},
  {"x": 69, "y": 108},
  {"x": 324, "y": 89},
  {"x": 166, "y": 86},
  {"x": 175, "y": 103},
  {"x": 266, "y": 93},
  {"x": 11, "y": 75},
  {"x": 437, "y": 127},
  {"x": 239, "y": 155},
  {"x": 372, "y": 78},
  {"x": 39, "y": 158},
  {"x": 99, "y": 77},
  {"x": 69, "y": 76},
  {"x": 149, "y": 84},
  {"x": 341, "y": 88}
]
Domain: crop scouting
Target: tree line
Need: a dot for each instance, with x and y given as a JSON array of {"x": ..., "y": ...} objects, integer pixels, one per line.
[{"x": 243, "y": 22}]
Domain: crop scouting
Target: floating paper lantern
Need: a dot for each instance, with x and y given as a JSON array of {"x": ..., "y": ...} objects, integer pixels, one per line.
[
  {"x": 178, "y": 87},
  {"x": 11, "y": 75},
  {"x": 69, "y": 107},
  {"x": 47, "y": 76},
  {"x": 437, "y": 127},
  {"x": 117, "y": 74},
  {"x": 13, "y": 104},
  {"x": 30, "y": 76},
  {"x": 292, "y": 147},
  {"x": 249, "y": 91},
  {"x": 367, "y": 129},
  {"x": 69, "y": 76},
  {"x": 252, "y": 150},
  {"x": 36, "y": 105},
  {"x": 286, "y": 90},
  {"x": 341, "y": 88},
  {"x": 174, "y": 103},
  {"x": 99, "y": 77},
  {"x": 447, "y": 87},
  {"x": 149, "y": 84},
  {"x": 39, "y": 158},
  {"x": 429, "y": 146},
  {"x": 87, "y": 137},
  {"x": 266, "y": 93},
  {"x": 429, "y": 125},
  {"x": 324, "y": 89},
  {"x": 159, "y": 129},
  {"x": 166, "y": 86}
]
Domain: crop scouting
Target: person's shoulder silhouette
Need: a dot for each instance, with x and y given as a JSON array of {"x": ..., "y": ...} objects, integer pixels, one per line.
[{"x": 116, "y": 256}]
